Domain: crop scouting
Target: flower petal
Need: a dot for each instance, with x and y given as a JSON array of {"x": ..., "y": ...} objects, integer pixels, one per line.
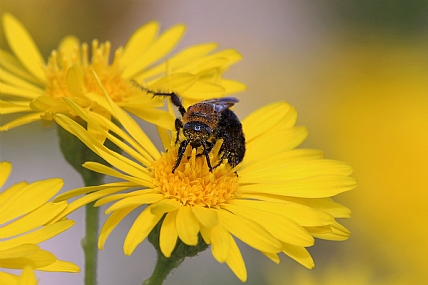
[
  {"x": 277, "y": 172},
  {"x": 28, "y": 277},
  {"x": 5, "y": 170},
  {"x": 312, "y": 187},
  {"x": 249, "y": 232},
  {"x": 33, "y": 219},
  {"x": 302, "y": 214},
  {"x": 135, "y": 201},
  {"x": 39, "y": 235},
  {"x": 20, "y": 92},
  {"x": 112, "y": 221},
  {"x": 16, "y": 81},
  {"x": 38, "y": 259},
  {"x": 279, "y": 226},
  {"x": 23, "y": 46},
  {"x": 141, "y": 227},
  {"x": 236, "y": 262},
  {"x": 138, "y": 42},
  {"x": 299, "y": 254},
  {"x": 60, "y": 266},
  {"x": 163, "y": 45},
  {"x": 29, "y": 198},
  {"x": 9, "y": 62},
  {"x": 267, "y": 117},
  {"x": 207, "y": 217},
  {"x": 21, "y": 121},
  {"x": 220, "y": 243},
  {"x": 187, "y": 226},
  {"x": 338, "y": 233},
  {"x": 168, "y": 234}
]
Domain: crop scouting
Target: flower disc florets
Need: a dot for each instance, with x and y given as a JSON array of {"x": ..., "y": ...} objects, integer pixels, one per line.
[
  {"x": 110, "y": 75},
  {"x": 192, "y": 183}
]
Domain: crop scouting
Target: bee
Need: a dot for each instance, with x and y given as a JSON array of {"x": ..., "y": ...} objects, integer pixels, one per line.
[{"x": 203, "y": 123}]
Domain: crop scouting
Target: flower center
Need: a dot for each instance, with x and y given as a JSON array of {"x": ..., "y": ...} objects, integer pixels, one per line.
[
  {"x": 192, "y": 183},
  {"x": 110, "y": 75}
]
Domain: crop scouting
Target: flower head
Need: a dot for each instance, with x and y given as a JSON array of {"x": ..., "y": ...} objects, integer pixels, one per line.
[
  {"x": 35, "y": 86},
  {"x": 276, "y": 200},
  {"x": 26, "y": 220}
]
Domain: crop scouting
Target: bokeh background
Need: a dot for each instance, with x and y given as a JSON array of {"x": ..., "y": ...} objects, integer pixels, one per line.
[{"x": 357, "y": 71}]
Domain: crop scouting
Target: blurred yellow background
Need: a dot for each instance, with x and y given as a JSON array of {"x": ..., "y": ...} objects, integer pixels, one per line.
[{"x": 356, "y": 71}]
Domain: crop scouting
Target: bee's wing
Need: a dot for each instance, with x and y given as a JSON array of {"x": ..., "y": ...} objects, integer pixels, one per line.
[{"x": 221, "y": 104}]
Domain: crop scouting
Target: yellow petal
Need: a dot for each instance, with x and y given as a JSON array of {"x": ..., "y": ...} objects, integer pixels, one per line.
[
  {"x": 272, "y": 256},
  {"x": 16, "y": 91},
  {"x": 168, "y": 234},
  {"x": 12, "y": 107},
  {"x": 324, "y": 204},
  {"x": 110, "y": 198},
  {"x": 141, "y": 227},
  {"x": 274, "y": 142},
  {"x": 60, "y": 266},
  {"x": 9, "y": 62},
  {"x": 5, "y": 170},
  {"x": 157, "y": 117},
  {"x": 32, "y": 220},
  {"x": 202, "y": 90},
  {"x": 28, "y": 277},
  {"x": 277, "y": 172},
  {"x": 21, "y": 121},
  {"x": 187, "y": 226},
  {"x": 207, "y": 217},
  {"x": 163, "y": 45},
  {"x": 112, "y": 221},
  {"x": 9, "y": 192},
  {"x": 23, "y": 46},
  {"x": 134, "y": 130},
  {"x": 38, "y": 259},
  {"x": 236, "y": 262},
  {"x": 267, "y": 117},
  {"x": 302, "y": 214},
  {"x": 134, "y": 201},
  {"x": 19, "y": 82},
  {"x": 313, "y": 187},
  {"x": 182, "y": 58},
  {"x": 338, "y": 233},
  {"x": 164, "y": 206},
  {"x": 29, "y": 198},
  {"x": 68, "y": 47},
  {"x": 281, "y": 227},
  {"x": 299, "y": 254},
  {"x": 232, "y": 86},
  {"x": 19, "y": 251},
  {"x": 84, "y": 190},
  {"x": 39, "y": 235},
  {"x": 74, "y": 79},
  {"x": 220, "y": 243},
  {"x": 10, "y": 279},
  {"x": 249, "y": 232},
  {"x": 43, "y": 103},
  {"x": 139, "y": 42}
]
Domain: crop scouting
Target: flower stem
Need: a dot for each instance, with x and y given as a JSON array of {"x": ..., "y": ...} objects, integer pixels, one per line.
[
  {"x": 89, "y": 244},
  {"x": 163, "y": 267}
]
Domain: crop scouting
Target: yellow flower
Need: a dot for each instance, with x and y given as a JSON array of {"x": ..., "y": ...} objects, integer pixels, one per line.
[
  {"x": 24, "y": 217},
  {"x": 276, "y": 200},
  {"x": 30, "y": 85}
]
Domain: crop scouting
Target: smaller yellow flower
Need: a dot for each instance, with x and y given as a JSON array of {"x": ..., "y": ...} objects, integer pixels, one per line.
[
  {"x": 276, "y": 200},
  {"x": 32, "y": 85},
  {"x": 26, "y": 220}
]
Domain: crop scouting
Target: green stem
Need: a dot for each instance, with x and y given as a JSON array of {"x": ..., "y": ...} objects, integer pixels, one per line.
[
  {"x": 89, "y": 244},
  {"x": 163, "y": 267}
]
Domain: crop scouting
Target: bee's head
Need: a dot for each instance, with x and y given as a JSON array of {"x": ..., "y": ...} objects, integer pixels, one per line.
[{"x": 197, "y": 131}]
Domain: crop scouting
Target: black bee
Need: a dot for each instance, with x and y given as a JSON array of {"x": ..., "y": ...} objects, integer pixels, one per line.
[{"x": 205, "y": 122}]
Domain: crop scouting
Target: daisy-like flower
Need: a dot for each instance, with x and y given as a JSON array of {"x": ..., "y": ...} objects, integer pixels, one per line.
[
  {"x": 26, "y": 220},
  {"x": 276, "y": 200},
  {"x": 31, "y": 85}
]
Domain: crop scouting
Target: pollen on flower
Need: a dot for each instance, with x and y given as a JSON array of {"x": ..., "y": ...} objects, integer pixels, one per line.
[
  {"x": 192, "y": 183},
  {"x": 110, "y": 75}
]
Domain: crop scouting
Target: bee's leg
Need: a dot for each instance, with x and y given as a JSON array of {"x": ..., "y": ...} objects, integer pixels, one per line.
[
  {"x": 207, "y": 157},
  {"x": 209, "y": 148},
  {"x": 181, "y": 151},
  {"x": 178, "y": 126}
]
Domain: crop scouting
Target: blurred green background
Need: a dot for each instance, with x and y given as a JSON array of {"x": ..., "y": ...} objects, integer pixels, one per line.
[{"x": 356, "y": 71}]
